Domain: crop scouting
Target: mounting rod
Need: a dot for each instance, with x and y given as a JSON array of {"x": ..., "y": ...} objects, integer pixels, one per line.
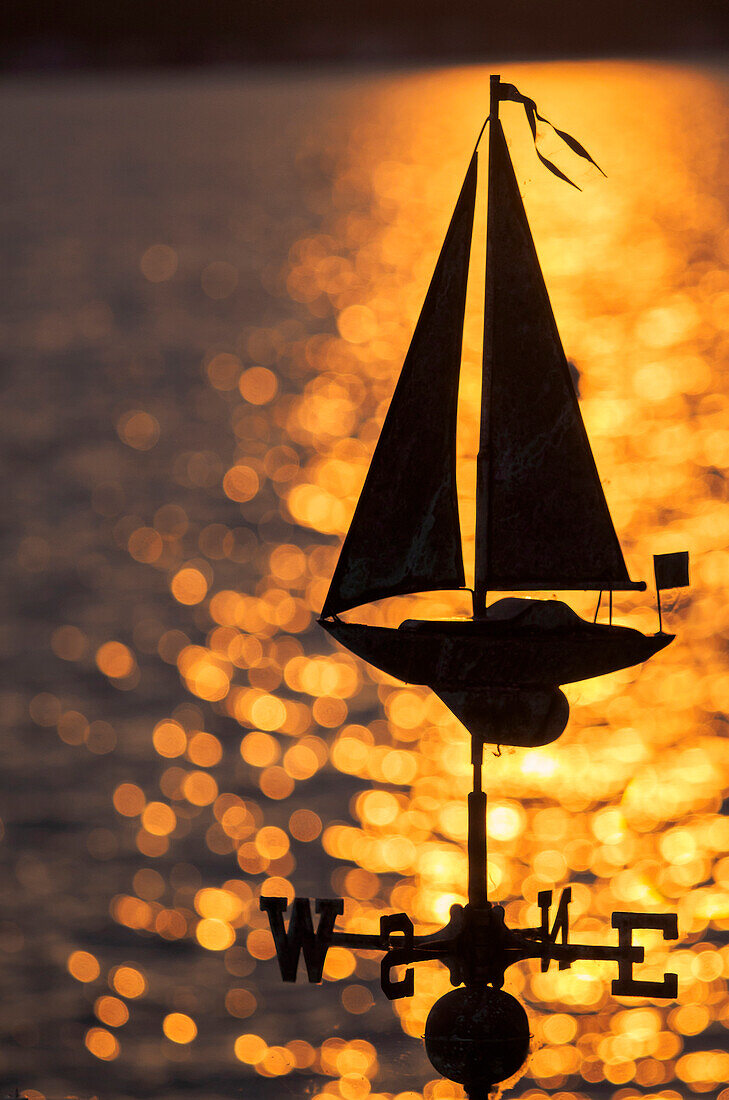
[
  {"x": 477, "y": 892},
  {"x": 484, "y": 446}
]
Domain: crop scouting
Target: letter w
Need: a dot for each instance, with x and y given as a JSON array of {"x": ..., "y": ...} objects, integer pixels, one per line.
[{"x": 300, "y": 935}]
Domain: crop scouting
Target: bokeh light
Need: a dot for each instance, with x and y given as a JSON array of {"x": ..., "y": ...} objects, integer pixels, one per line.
[
  {"x": 83, "y": 966},
  {"x": 179, "y": 1027},
  {"x": 197, "y": 739}
]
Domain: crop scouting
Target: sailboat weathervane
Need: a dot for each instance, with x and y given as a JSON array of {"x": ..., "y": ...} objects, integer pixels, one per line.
[{"x": 542, "y": 525}]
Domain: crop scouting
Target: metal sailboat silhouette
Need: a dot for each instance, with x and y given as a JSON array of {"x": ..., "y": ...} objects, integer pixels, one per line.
[{"x": 542, "y": 521}]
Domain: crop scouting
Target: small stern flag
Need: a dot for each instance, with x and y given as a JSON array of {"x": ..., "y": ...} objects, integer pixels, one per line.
[{"x": 671, "y": 570}]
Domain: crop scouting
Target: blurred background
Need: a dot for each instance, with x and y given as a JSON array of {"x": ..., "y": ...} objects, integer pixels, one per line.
[
  {"x": 189, "y": 32},
  {"x": 214, "y": 264}
]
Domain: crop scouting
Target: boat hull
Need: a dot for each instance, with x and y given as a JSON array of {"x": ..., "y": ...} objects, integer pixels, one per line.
[
  {"x": 500, "y": 678},
  {"x": 485, "y": 654}
]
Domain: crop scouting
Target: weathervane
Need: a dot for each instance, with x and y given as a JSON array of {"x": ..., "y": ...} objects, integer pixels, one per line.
[{"x": 542, "y": 524}]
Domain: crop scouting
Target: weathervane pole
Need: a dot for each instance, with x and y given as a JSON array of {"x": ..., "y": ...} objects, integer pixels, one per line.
[{"x": 477, "y": 862}]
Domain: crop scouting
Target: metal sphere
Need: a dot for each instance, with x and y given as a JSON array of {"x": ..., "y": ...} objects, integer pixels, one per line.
[{"x": 478, "y": 1036}]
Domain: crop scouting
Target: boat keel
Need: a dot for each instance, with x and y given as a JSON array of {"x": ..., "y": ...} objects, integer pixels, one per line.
[{"x": 523, "y": 717}]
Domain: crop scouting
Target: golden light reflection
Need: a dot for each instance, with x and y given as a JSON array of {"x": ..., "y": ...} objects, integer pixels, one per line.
[
  {"x": 138, "y": 429},
  {"x": 83, "y": 966},
  {"x": 102, "y": 1044},
  {"x": 115, "y": 660},
  {"x": 179, "y": 1027},
  {"x": 128, "y": 981},
  {"x": 628, "y": 806},
  {"x": 169, "y": 738},
  {"x": 214, "y": 934},
  {"x": 158, "y": 263},
  {"x": 189, "y": 585},
  {"x": 111, "y": 1011}
]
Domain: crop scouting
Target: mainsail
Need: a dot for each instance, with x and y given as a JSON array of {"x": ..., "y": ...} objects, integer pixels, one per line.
[
  {"x": 405, "y": 534},
  {"x": 542, "y": 518}
]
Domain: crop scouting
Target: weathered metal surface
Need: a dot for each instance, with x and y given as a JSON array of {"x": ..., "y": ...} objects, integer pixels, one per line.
[
  {"x": 405, "y": 535},
  {"x": 625, "y": 985},
  {"x": 476, "y": 945},
  {"x": 405, "y": 987},
  {"x": 477, "y": 1036},
  {"x": 300, "y": 935},
  {"x": 472, "y": 655},
  {"x": 519, "y": 717},
  {"x": 477, "y": 858}
]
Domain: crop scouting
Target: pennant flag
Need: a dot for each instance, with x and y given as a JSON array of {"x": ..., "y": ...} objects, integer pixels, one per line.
[
  {"x": 671, "y": 570},
  {"x": 511, "y": 92}
]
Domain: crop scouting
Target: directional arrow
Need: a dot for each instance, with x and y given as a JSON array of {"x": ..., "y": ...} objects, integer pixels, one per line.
[{"x": 476, "y": 945}]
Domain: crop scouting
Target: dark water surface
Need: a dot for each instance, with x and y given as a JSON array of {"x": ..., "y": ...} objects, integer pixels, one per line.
[{"x": 210, "y": 286}]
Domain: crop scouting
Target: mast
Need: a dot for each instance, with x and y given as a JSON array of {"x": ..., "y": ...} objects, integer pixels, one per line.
[{"x": 483, "y": 460}]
